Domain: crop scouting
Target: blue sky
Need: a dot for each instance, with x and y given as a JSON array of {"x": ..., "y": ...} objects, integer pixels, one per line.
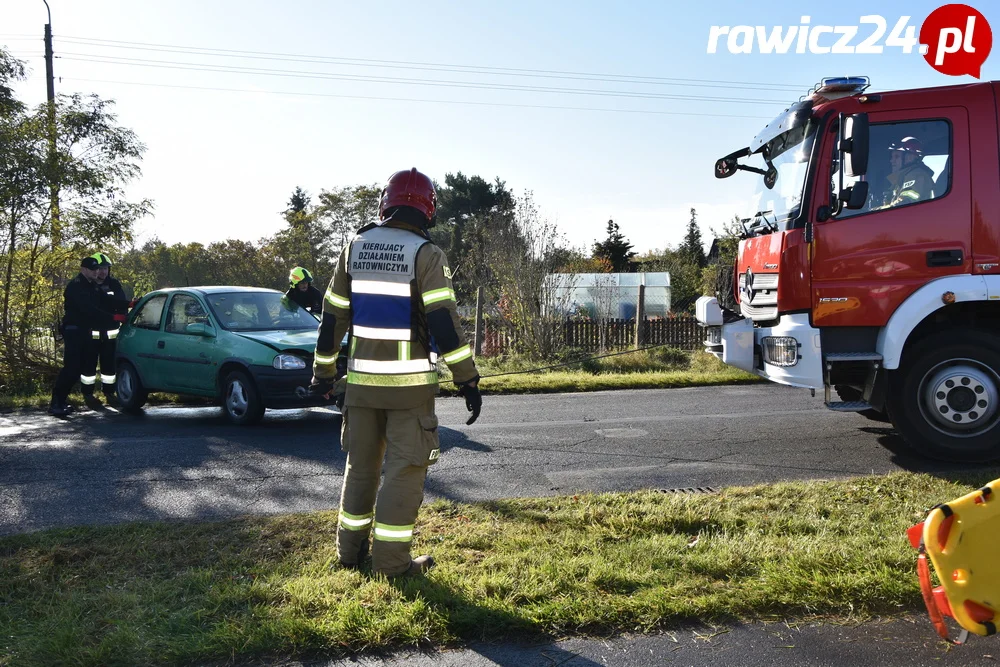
[{"x": 222, "y": 164}]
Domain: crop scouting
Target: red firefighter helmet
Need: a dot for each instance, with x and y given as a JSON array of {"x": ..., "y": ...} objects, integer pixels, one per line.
[
  {"x": 908, "y": 145},
  {"x": 408, "y": 188}
]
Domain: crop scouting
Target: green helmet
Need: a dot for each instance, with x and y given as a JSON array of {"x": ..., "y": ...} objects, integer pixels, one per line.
[
  {"x": 102, "y": 259},
  {"x": 297, "y": 275}
]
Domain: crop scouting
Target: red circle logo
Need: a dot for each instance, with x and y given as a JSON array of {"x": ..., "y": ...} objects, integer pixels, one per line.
[{"x": 956, "y": 40}]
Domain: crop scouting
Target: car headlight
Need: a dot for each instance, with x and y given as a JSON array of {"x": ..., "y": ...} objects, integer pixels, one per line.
[{"x": 288, "y": 362}]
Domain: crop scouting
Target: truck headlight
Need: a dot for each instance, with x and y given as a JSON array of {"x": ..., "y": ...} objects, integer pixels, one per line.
[
  {"x": 780, "y": 350},
  {"x": 288, "y": 362}
]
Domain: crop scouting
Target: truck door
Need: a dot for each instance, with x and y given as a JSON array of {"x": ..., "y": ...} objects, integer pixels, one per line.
[{"x": 915, "y": 226}]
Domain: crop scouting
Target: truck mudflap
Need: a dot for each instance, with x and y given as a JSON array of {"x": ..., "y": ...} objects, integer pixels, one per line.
[{"x": 787, "y": 353}]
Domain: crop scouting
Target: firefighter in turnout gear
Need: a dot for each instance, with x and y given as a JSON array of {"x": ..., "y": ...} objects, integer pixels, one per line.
[
  {"x": 392, "y": 290},
  {"x": 911, "y": 180},
  {"x": 302, "y": 292},
  {"x": 101, "y": 348},
  {"x": 82, "y": 315}
]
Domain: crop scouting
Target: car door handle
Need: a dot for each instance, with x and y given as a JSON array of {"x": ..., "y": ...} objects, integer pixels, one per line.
[
  {"x": 944, "y": 258},
  {"x": 159, "y": 344}
]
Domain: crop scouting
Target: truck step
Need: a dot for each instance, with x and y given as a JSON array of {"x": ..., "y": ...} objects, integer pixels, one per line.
[
  {"x": 853, "y": 356},
  {"x": 849, "y": 406}
]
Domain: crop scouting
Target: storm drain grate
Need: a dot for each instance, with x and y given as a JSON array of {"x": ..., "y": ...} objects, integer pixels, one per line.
[{"x": 690, "y": 490}]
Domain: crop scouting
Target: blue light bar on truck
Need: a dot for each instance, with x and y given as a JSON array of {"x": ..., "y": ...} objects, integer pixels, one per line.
[{"x": 835, "y": 87}]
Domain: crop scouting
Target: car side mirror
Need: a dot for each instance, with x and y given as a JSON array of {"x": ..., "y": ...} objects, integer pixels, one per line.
[{"x": 199, "y": 329}]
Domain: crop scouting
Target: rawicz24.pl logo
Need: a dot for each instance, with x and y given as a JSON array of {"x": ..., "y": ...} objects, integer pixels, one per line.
[{"x": 954, "y": 39}]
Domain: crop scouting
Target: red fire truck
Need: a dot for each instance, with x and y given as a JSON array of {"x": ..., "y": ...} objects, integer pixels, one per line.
[{"x": 871, "y": 268}]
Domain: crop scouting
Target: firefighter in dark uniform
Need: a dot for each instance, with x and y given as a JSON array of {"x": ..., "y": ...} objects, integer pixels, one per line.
[
  {"x": 114, "y": 308},
  {"x": 82, "y": 314},
  {"x": 911, "y": 180},
  {"x": 302, "y": 292},
  {"x": 392, "y": 289}
]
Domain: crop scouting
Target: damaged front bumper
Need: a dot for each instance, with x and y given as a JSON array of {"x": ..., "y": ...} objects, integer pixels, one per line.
[{"x": 788, "y": 352}]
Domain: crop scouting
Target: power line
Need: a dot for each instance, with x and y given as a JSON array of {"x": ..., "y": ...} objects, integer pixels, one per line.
[
  {"x": 406, "y": 99},
  {"x": 476, "y": 69},
  {"x": 226, "y": 69}
]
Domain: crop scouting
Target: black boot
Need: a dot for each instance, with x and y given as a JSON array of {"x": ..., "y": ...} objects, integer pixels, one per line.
[
  {"x": 58, "y": 407},
  {"x": 92, "y": 401},
  {"x": 111, "y": 398}
]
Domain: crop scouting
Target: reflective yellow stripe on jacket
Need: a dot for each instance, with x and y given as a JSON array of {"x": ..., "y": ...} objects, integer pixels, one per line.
[{"x": 336, "y": 300}]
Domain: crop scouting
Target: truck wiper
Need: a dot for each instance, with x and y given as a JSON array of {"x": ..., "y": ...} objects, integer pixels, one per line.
[{"x": 760, "y": 222}]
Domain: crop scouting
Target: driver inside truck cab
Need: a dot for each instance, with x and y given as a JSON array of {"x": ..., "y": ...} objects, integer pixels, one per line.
[{"x": 910, "y": 180}]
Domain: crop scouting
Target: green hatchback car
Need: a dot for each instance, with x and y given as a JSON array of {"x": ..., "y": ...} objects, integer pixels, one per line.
[{"x": 247, "y": 347}]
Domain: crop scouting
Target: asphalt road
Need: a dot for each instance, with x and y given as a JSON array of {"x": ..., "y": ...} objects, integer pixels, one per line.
[{"x": 187, "y": 463}]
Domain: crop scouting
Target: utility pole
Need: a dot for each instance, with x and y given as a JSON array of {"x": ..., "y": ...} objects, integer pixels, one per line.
[{"x": 53, "y": 179}]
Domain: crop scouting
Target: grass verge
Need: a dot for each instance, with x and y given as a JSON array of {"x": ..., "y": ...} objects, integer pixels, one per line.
[
  {"x": 264, "y": 588},
  {"x": 660, "y": 368}
]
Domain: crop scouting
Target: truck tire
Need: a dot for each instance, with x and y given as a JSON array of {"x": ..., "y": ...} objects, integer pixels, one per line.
[
  {"x": 241, "y": 402},
  {"x": 945, "y": 397}
]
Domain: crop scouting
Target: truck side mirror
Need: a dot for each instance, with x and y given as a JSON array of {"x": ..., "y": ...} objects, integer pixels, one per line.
[
  {"x": 856, "y": 195},
  {"x": 725, "y": 167},
  {"x": 854, "y": 144}
]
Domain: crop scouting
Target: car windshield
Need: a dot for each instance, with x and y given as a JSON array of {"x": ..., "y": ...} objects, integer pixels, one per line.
[
  {"x": 259, "y": 311},
  {"x": 789, "y": 155}
]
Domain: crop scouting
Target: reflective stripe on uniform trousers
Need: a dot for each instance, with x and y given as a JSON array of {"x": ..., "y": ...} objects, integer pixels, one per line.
[
  {"x": 355, "y": 521},
  {"x": 88, "y": 379},
  {"x": 112, "y": 334},
  {"x": 387, "y": 533},
  {"x": 107, "y": 379},
  {"x": 96, "y": 335}
]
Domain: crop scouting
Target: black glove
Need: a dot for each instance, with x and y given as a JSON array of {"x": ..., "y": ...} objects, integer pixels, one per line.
[
  {"x": 321, "y": 387},
  {"x": 473, "y": 398}
]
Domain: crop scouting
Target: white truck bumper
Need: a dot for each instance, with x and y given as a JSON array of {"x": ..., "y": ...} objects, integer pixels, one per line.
[{"x": 787, "y": 353}]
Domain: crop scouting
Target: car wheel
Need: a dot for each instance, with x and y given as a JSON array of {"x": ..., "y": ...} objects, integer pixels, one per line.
[
  {"x": 240, "y": 399},
  {"x": 945, "y": 397},
  {"x": 131, "y": 394}
]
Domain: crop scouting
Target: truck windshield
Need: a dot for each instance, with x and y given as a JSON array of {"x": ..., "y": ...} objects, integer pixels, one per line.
[{"x": 789, "y": 155}]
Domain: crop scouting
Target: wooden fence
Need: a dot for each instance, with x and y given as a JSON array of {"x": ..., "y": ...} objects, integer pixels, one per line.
[{"x": 681, "y": 332}]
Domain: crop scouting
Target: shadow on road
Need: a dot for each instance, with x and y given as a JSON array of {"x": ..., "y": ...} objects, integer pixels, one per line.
[
  {"x": 103, "y": 467},
  {"x": 975, "y": 474}
]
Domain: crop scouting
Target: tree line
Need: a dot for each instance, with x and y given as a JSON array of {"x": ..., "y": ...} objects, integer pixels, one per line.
[{"x": 494, "y": 238}]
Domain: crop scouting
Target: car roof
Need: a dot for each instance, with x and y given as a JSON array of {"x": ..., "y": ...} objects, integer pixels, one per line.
[{"x": 215, "y": 289}]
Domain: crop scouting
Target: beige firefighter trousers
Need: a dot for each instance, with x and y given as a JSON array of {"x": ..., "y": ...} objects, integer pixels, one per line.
[{"x": 408, "y": 441}]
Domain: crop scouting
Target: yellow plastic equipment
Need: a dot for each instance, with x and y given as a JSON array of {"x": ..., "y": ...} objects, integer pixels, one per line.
[{"x": 962, "y": 539}]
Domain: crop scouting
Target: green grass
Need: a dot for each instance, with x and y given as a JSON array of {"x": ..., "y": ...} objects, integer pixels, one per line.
[
  {"x": 660, "y": 368},
  {"x": 264, "y": 588}
]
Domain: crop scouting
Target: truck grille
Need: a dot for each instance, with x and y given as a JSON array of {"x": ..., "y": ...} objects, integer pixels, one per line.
[{"x": 760, "y": 301}]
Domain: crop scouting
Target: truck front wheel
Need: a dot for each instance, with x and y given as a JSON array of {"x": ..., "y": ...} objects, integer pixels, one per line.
[{"x": 945, "y": 397}]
